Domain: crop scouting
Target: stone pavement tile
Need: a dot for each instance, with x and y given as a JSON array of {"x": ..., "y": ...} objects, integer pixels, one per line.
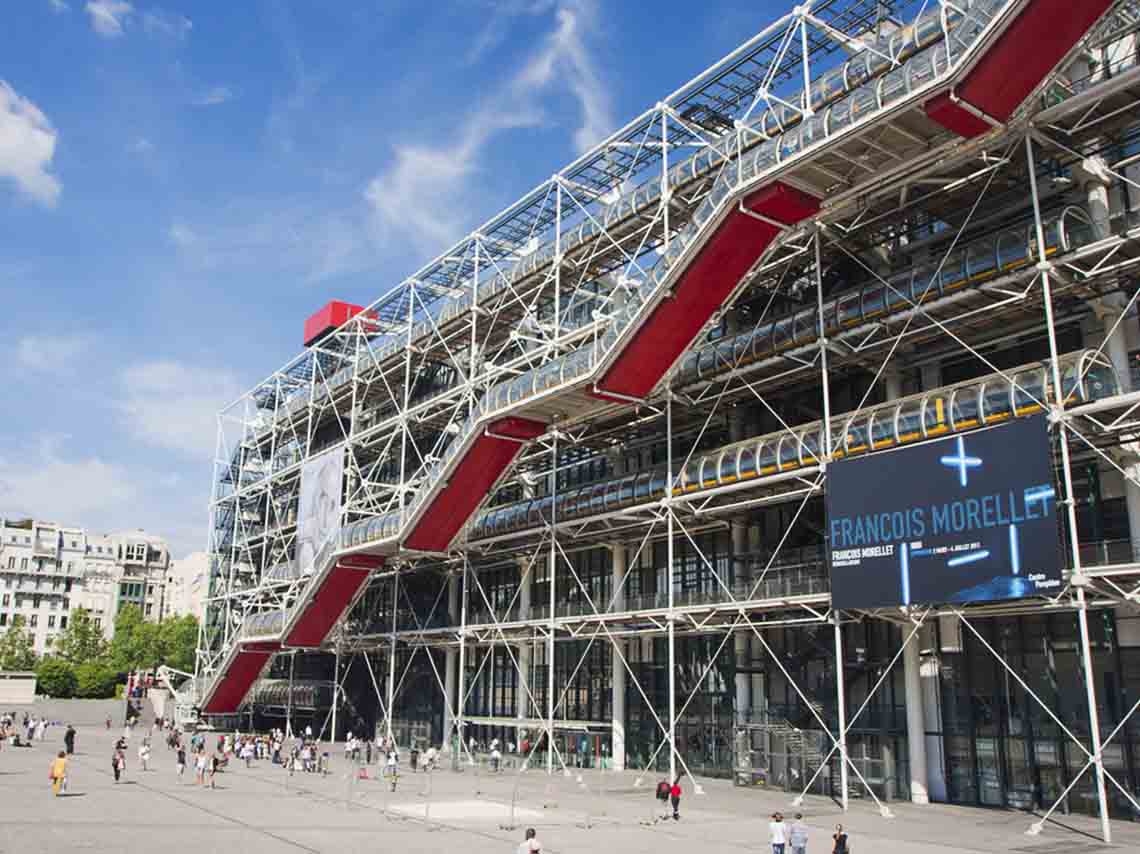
[{"x": 262, "y": 809}]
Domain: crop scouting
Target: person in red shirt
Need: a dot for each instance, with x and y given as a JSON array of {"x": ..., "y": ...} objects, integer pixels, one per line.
[{"x": 675, "y": 798}]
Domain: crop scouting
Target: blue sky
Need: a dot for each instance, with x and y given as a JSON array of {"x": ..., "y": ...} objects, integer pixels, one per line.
[{"x": 181, "y": 184}]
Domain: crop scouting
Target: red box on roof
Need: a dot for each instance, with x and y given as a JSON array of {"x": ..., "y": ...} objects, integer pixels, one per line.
[{"x": 333, "y": 314}]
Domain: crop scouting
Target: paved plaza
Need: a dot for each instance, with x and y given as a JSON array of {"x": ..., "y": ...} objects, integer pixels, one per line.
[{"x": 263, "y": 809}]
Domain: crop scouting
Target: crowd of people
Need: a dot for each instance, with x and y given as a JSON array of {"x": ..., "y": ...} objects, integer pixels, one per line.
[
  {"x": 209, "y": 753},
  {"x": 18, "y": 732}
]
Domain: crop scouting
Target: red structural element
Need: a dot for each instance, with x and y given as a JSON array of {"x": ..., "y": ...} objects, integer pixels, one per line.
[
  {"x": 332, "y": 315},
  {"x": 720, "y": 264},
  {"x": 1039, "y": 37},
  {"x": 323, "y": 607},
  {"x": 953, "y": 117},
  {"x": 472, "y": 479},
  {"x": 234, "y": 683}
]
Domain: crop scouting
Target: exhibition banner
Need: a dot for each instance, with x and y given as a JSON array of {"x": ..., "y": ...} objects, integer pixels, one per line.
[
  {"x": 322, "y": 484},
  {"x": 968, "y": 518}
]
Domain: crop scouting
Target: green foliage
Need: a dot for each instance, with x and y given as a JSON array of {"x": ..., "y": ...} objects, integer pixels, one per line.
[
  {"x": 139, "y": 645},
  {"x": 55, "y": 677},
  {"x": 95, "y": 680},
  {"x": 132, "y": 645},
  {"x": 178, "y": 637},
  {"x": 17, "y": 647},
  {"x": 82, "y": 641}
]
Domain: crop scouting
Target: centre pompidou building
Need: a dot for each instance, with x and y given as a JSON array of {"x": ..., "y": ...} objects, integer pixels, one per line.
[{"x": 573, "y": 484}]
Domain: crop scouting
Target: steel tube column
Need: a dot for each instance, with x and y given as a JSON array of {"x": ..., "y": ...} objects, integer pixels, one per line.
[
  {"x": 551, "y": 574},
  {"x": 617, "y": 668},
  {"x": 522, "y": 700},
  {"x": 915, "y": 721},
  {"x": 1076, "y": 579},
  {"x": 336, "y": 690},
  {"x": 841, "y": 698},
  {"x": 671, "y": 618},
  {"x": 392, "y": 656},
  {"x": 912, "y": 680},
  {"x": 460, "y": 701},
  {"x": 449, "y": 660}
]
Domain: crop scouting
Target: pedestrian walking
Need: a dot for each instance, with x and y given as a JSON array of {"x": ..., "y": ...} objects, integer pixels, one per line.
[
  {"x": 181, "y": 762},
  {"x": 839, "y": 838},
  {"x": 798, "y": 835},
  {"x": 777, "y": 833},
  {"x": 69, "y": 739},
  {"x": 215, "y": 764},
  {"x": 391, "y": 770},
  {"x": 200, "y": 766},
  {"x": 530, "y": 843},
  {"x": 144, "y": 754},
  {"x": 675, "y": 798},
  {"x": 58, "y": 774},
  {"x": 118, "y": 762}
]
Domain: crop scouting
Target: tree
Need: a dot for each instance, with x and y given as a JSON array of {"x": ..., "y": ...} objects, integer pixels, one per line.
[
  {"x": 95, "y": 680},
  {"x": 132, "y": 644},
  {"x": 82, "y": 641},
  {"x": 55, "y": 677},
  {"x": 17, "y": 647},
  {"x": 178, "y": 638}
]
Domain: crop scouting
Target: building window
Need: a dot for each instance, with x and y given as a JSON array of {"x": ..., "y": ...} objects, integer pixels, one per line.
[
  {"x": 66, "y": 603},
  {"x": 48, "y": 641},
  {"x": 63, "y": 621},
  {"x": 51, "y": 622},
  {"x": 150, "y": 590},
  {"x": 23, "y": 563},
  {"x": 98, "y": 622},
  {"x": 70, "y": 566},
  {"x": 67, "y": 586},
  {"x": 3, "y": 619},
  {"x": 74, "y": 544},
  {"x": 11, "y": 561},
  {"x": 35, "y": 601},
  {"x": 52, "y": 604},
  {"x": 148, "y": 609},
  {"x": 7, "y": 600},
  {"x": 34, "y": 620}
]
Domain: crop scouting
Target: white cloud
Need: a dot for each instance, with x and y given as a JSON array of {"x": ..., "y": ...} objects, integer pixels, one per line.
[
  {"x": 46, "y": 481},
  {"x": 499, "y": 16},
  {"x": 142, "y": 145},
  {"x": 161, "y": 23},
  {"x": 174, "y": 405},
  {"x": 181, "y": 235},
  {"x": 302, "y": 239},
  {"x": 46, "y": 485},
  {"x": 27, "y": 146},
  {"x": 423, "y": 195},
  {"x": 50, "y": 353},
  {"x": 59, "y": 6},
  {"x": 214, "y": 96},
  {"x": 109, "y": 16}
]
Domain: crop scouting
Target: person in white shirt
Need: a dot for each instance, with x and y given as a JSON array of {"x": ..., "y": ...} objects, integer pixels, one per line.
[
  {"x": 530, "y": 845},
  {"x": 144, "y": 753},
  {"x": 798, "y": 835},
  {"x": 777, "y": 833}
]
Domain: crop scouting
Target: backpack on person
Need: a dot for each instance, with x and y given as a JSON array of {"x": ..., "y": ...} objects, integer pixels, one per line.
[{"x": 663, "y": 789}]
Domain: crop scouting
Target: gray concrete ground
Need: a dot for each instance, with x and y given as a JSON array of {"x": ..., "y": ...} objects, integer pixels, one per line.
[{"x": 263, "y": 809}]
